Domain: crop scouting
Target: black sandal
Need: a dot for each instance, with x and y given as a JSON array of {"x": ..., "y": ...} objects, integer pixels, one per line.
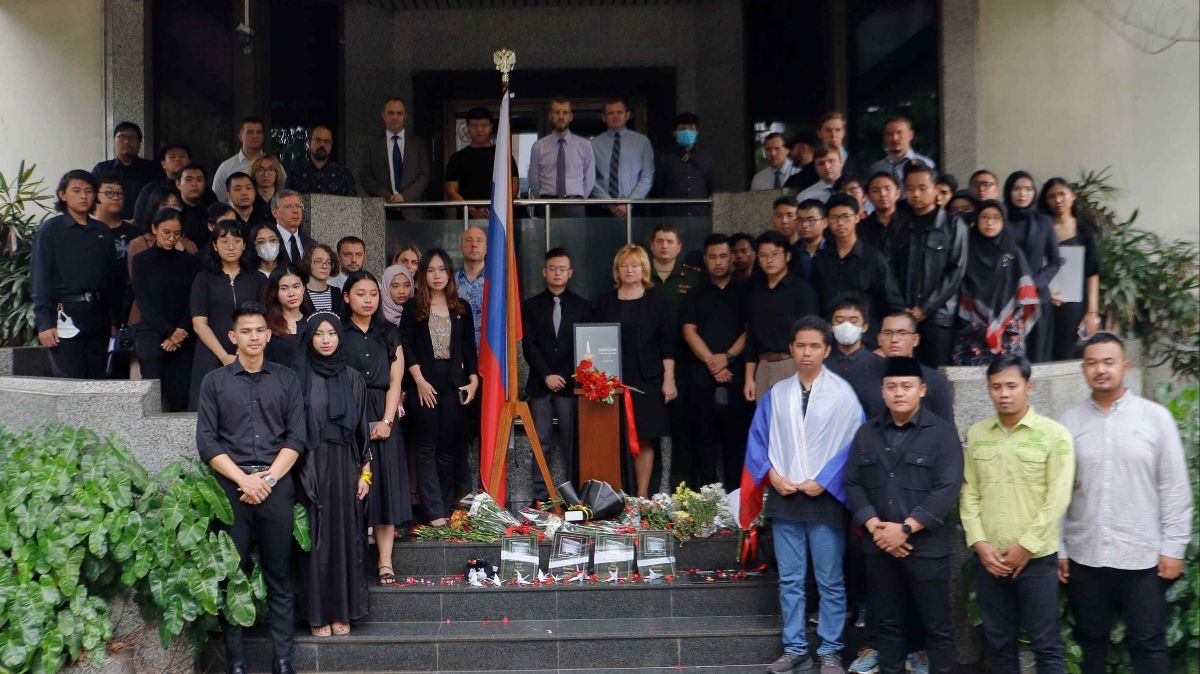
[{"x": 387, "y": 578}]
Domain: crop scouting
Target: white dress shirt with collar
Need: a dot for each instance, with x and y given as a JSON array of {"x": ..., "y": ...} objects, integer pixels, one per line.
[
  {"x": 1132, "y": 499},
  {"x": 236, "y": 163},
  {"x": 285, "y": 241},
  {"x": 821, "y": 191},
  {"x": 886, "y": 165}
]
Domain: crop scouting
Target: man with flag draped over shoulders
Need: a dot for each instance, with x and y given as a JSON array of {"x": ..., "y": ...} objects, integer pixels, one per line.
[{"x": 798, "y": 443}]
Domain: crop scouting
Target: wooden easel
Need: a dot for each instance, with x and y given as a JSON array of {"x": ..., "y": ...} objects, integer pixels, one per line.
[{"x": 513, "y": 408}]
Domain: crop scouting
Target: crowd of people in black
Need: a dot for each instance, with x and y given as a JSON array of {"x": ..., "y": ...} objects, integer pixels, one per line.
[{"x": 291, "y": 352}]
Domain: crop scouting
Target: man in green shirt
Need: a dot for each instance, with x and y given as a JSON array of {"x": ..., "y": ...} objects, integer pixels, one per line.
[{"x": 1018, "y": 473}]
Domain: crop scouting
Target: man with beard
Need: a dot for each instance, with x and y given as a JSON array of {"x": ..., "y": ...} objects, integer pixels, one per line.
[{"x": 320, "y": 174}]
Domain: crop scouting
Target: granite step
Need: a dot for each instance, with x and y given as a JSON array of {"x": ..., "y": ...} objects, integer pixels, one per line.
[
  {"x": 437, "y": 558},
  {"x": 680, "y": 599},
  {"x": 527, "y": 645}
]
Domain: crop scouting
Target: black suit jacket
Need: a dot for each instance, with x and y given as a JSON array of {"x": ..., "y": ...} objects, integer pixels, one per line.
[
  {"x": 654, "y": 334},
  {"x": 418, "y": 345},
  {"x": 546, "y": 353},
  {"x": 306, "y": 242}
]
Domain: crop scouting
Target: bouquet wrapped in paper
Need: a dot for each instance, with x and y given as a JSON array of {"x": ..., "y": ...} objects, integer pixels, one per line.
[{"x": 485, "y": 515}]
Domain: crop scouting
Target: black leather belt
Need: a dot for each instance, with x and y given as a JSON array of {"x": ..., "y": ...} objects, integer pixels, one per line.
[
  {"x": 80, "y": 297},
  {"x": 251, "y": 469}
]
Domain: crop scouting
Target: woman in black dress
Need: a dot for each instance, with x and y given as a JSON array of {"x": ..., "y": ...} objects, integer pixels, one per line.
[
  {"x": 287, "y": 306},
  {"x": 223, "y": 285},
  {"x": 1072, "y": 321},
  {"x": 335, "y": 476},
  {"x": 998, "y": 303},
  {"x": 373, "y": 349},
  {"x": 647, "y": 351},
  {"x": 162, "y": 280},
  {"x": 439, "y": 340},
  {"x": 1034, "y": 233}
]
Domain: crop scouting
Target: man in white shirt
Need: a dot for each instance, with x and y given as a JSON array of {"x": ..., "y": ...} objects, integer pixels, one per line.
[
  {"x": 352, "y": 255},
  {"x": 828, "y": 163},
  {"x": 1127, "y": 529},
  {"x": 897, "y": 142},
  {"x": 779, "y": 164},
  {"x": 252, "y": 135}
]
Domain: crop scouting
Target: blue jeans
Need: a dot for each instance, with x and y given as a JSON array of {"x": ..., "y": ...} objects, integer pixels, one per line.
[{"x": 794, "y": 543}]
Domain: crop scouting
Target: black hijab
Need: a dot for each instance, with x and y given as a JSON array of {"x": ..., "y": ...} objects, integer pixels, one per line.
[
  {"x": 342, "y": 414},
  {"x": 1024, "y": 220},
  {"x": 998, "y": 285}
]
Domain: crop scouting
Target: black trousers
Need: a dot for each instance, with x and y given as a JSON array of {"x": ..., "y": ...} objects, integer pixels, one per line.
[
  {"x": 437, "y": 437},
  {"x": 937, "y": 343},
  {"x": 268, "y": 526},
  {"x": 84, "y": 356},
  {"x": 1030, "y": 601},
  {"x": 1095, "y": 594},
  {"x": 718, "y": 432},
  {"x": 545, "y": 409},
  {"x": 172, "y": 369},
  {"x": 891, "y": 584}
]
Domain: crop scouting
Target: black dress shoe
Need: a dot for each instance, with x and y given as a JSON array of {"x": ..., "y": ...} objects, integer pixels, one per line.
[
  {"x": 283, "y": 666},
  {"x": 236, "y": 668}
]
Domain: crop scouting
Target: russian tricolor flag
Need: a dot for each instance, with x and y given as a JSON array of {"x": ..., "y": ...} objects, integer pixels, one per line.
[{"x": 501, "y": 308}]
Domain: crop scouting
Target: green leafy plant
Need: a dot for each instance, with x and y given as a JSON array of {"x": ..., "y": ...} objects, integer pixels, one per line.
[
  {"x": 22, "y": 205},
  {"x": 1148, "y": 284},
  {"x": 82, "y": 522}
]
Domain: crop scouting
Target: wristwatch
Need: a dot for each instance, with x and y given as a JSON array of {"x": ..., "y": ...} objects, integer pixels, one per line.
[
  {"x": 906, "y": 529},
  {"x": 271, "y": 481}
]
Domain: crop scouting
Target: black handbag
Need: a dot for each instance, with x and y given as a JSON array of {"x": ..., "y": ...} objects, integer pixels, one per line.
[{"x": 125, "y": 339}]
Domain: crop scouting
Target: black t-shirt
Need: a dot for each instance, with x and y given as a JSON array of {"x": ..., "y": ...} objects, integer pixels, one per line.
[
  {"x": 471, "y": 167},
  {"x": 719, "y": 315}
]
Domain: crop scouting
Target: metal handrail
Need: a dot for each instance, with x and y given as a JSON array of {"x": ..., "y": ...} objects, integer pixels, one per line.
[{"x": 547, "y": 203}]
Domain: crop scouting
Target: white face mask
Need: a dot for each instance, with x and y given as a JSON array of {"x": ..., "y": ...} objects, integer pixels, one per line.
[
  {"x": 847, "y": 333},
  {"x": 268, "y": 251}
]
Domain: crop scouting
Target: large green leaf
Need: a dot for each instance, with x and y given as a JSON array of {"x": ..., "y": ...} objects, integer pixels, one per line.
[
  {"x": 301, "y": 530},
  {"x": 239, "y": 602}
]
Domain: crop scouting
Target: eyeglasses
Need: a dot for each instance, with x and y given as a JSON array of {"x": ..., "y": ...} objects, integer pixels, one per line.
[
  {"x": 845, "y": 218},
  {"x": 265, "y": 169},
  {"x": 322, "y": 263},
  {"x": 565, "y": 269},
  {"x": 983, "y": 183},
  {"x": 113, "y": 194},
  {"x": 889, "y": 334},
  {"x": 170, "y": 233}
]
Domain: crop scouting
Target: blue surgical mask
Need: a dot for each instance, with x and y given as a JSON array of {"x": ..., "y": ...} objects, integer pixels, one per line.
[{"x": 686, "y": 137}]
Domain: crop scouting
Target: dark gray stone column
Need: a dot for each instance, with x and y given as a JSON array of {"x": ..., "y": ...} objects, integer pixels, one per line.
[
  {"x": 126, "y": 69},
  {"x": 958, "y": 96}
]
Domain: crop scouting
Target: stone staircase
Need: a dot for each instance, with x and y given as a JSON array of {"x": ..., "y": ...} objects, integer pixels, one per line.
[{"x": 667, "y": 627}]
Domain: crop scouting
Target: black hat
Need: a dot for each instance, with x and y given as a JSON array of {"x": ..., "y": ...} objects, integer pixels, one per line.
[{"x": 902, "y": 366}]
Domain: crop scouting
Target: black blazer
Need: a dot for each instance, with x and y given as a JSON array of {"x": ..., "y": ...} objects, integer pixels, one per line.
[
  {"x": 306, "y": 242},
  {"x": 418, "y": 345},
  {"x": 545, "y": 353},
  {"x": 654, "y": 334}
]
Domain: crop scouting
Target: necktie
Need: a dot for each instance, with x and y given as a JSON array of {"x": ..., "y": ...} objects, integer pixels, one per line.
[
  {"x": 560, "y": 170},
  {"x": 556, "y": 316},
  {"x": 896, "y": 171},
  {"x": 778, "y": 178},
  {"x": 397, "y": 163},
  {"x": 829, "y": 189},
  {"x": 294, "y": 249},
  {"x": 614, "y": 168}
]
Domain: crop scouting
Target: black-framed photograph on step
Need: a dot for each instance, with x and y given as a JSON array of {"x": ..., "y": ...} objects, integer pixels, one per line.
[
  {"x": 601, "y": 344},
  {"x": 519, "y": 559}
]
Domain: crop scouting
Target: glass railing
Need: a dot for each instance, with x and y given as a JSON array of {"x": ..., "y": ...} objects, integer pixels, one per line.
[{"x": 584, "y": 227}]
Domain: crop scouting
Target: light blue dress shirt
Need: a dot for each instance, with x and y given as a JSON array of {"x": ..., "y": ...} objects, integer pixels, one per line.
[
  {"x": 543, "y": 164},
  {"x": 886, "y": 165},
  {"x": 636, "y": 175}
]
